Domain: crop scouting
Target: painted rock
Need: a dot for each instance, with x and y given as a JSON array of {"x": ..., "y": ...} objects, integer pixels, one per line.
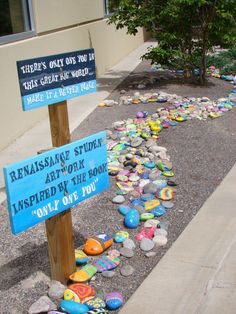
[
  {"x": 132, "y": 219},
  {"x": 139, "y": 114},
  {"x": 97, "y": 244},
  {"x": 160, "y": 183},
  {"x": 152, "y": 204},
  {"x": 166, "y": 194},
  {"x": 80, "y": 257},
  {"x": 124, "y": 209},
  {"x": 150, "y": 165},
  {"x": 146, "y": 233},
  {"x": 114, "y": 300},
  {"x": 79, "y": 292},
  {"x": 84, "y": 274},
  {"x": 120, "y": 236},
  {"x": 146, "y": 216},
  {"x": 168, "y": 173},
  {"x": 104, "y": 263},
  {"x": 73, "y": 307},
  {"x": 158, "y": 211},
  {"x": 98, "y": 311},
  {"x": 95, "y": 303}
]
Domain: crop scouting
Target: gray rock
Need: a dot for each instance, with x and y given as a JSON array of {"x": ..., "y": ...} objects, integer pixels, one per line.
[
  {"x": 153, "y": 176},
  {"x": 126, "y": 252},
  {"x": 56, "y": 290},
  {"x": 164, "y": 225},
  {"x": 126, "y": 270},
  {"x": 146, "y": 245},
  {"x": 150, "y": 254},
  {"x": 161, "y": 232},
  {"x": 108, "y": 274},
  {"x": 168, "y": 204},
  {"x": 150, "y": 188},
  {"x": 119, "y": 199},
  {"x": 43, "y": 304},
  {"x": 129, "y": 244},
  {"x": 150, "y": 143},
  {"x": 136, "y": 142}
]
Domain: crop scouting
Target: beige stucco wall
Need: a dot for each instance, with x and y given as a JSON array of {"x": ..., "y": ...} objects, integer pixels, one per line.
[
  {"x": 110, "y": 46},
  {"x": 61, "y": 13}
]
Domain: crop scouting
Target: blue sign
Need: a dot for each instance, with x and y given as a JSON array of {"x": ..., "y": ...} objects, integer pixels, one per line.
[
  {"x": 47, "y": 184},
  {"x": 48, "y": 80}
]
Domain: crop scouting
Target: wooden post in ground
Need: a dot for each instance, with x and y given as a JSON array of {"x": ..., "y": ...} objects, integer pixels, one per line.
[{"x": 59, "y": 228}]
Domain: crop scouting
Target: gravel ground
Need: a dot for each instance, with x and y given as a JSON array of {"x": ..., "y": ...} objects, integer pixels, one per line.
[{"x": 202, "y": 153}]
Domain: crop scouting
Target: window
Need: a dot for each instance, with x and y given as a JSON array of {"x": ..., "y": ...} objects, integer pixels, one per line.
[
  {"x": 111, "y": 6},
  {"x": 16, "y": 20}
]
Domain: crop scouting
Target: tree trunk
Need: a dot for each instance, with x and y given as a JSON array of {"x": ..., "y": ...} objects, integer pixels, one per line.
[{"x": 203, "y": 59}]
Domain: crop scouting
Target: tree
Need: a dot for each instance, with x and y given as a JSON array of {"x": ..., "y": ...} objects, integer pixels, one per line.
[{"x": 186, "y": 30}]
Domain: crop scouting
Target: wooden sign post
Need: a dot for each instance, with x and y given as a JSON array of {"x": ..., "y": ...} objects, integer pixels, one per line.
[
  {"x": 51, "y": 80},
  {"x": 59, "y": 228}
]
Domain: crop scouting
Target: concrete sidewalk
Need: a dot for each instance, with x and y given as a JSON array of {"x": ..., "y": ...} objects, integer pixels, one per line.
[
  {"x": 198, "y": 273},
  {"x": 79, "y": 108}
]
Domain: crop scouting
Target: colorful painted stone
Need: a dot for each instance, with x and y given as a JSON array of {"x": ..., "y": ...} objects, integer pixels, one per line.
[
  {"x": 162, "y": 166},
  {"x": 95, "y": 303},
  {"x": 150, "y": 164},
  {"x": 168, "y": 173},
  {"x": 147, "y": 233},
  {"x": 97, "y": 244},
  {"x": 151, "y": 204},
  {"x": 147, "y": 197},
  {"x": 73, "y": 307},
  {"x": 158, "y": 211},
  {"x": 104, "y": 263},
  {"x": 160, "y": 183},
  {"x": 114, "y": 300},
  {"x": 98, "y": 311},
  {"x": 79, "y": 292},
  {"x": 124, "y": 209},
  {"x": 80, "y": 257},
  {"x": 146, "y": 216},
  {"x": 132, "y": 219},
  {"x": 84, "y": 274},
  {"x": 120, "y": 236},
  {"x": 166, "y": 194}
]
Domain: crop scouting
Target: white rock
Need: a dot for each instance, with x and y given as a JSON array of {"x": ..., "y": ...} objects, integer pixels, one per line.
[
  {"x": 56, "y": 290},
  {"x": 160, "y": 240}
]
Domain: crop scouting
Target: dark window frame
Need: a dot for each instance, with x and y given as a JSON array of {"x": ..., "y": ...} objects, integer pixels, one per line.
[{"x": 29, "y": 25}]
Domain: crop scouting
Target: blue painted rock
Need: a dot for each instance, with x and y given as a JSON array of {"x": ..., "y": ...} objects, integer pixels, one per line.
[
  {"x": 124, "y": 209},
  {"x": 158, "y": 211},
  {"x": 147, "y": 197},
  {"x": 73, "y": 307},
  {"x": 114, "y": 300},
  {"x": 136, "y": 202},
  {"x": 95, "y": 303},
  {"x": 120, "y": 236},
  {"x": 150, "y": 165},
  {"x": 98, "y": 311},
  {"x": 132, "y": 219}
]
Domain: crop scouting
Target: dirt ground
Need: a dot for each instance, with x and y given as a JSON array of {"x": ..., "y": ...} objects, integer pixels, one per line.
[{"x": 202, "y": 153}]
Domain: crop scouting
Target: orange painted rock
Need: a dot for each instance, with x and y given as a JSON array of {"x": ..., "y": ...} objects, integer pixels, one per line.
[
  {"x": 97, "y": 244},
  {"x": 79, "y": 292}
]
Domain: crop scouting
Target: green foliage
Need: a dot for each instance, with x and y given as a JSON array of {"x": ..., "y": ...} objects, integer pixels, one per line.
[
  {"x": 225, "y": 61},
  {"x": 184, "y": 29}
]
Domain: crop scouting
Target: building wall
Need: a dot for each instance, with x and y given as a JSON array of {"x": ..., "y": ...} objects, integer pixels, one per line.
[{"x": 59, "y": 29}]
